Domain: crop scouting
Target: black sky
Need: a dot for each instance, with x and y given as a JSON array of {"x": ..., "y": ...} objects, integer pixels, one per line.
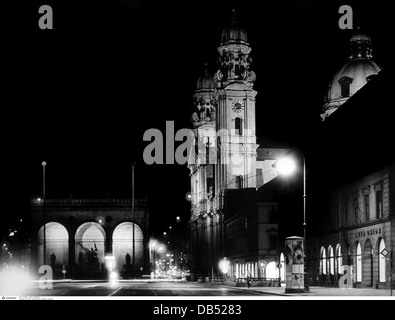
[{"x": 82, "y": 95}]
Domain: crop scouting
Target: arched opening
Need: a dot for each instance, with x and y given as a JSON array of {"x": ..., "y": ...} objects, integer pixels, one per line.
[
  {"x": 367, "y": 264},
  {"x": 238, "y": 126},
  {"x": 90, "y": 246},
  {"x": 123, "y": 247},
  {"x": 359, "y": 262},
  {"x": 272, "y": 272},
  {"x": 331, "y": 261},
  {"x": 382, "y": 262},
  {"x": 323, "y": 263},
  {"x": 57, "y": 244},
  {"x": 339, "y": 260}
]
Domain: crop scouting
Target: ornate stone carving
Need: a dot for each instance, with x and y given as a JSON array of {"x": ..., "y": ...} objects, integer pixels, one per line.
[{"x": 234, "y": 64}]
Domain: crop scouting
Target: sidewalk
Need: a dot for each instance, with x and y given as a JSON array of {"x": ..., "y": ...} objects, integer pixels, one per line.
[{"x": 322, "y": 292}]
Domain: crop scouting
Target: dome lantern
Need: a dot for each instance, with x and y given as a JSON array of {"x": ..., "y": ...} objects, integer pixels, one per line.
[{"x": 360, "y": 45}]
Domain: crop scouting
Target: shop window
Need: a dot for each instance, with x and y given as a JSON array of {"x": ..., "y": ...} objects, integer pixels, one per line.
[
  {"x": 359, "y": 262},
  {"x": 382, "y": 262}
]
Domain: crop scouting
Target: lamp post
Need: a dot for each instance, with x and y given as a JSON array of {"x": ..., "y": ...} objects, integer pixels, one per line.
[
  {"x": 286, "y": 166},
  {"x": 45, "y": 218}
]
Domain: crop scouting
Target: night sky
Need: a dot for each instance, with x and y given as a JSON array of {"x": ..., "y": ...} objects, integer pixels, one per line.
[{"x": 82, "y": 95}]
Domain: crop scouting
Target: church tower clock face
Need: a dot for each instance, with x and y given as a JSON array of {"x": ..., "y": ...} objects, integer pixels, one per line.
[{"x": 237, "y": 105}]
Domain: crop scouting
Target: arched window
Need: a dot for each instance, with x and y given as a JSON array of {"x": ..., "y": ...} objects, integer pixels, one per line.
[
  {"x": 345, "y": 84},
  {"x": 339, "y": 260},
  {"x": 323, "y": 262},
  {"x": 239, "y": 182},
  {"x": 272, "y": 272},
  {"x": 331, "y": 261},
  {"x": 345, "y": 90},
  {"x": 359, "y": 262},
  {"x": 382, "y": 262},
  {"x": 238, "y": 126}
]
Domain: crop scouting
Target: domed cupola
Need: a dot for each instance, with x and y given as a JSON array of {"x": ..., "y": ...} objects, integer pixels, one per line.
[
  {"x": 234, "y": 56},
  {"x": 353, "y": 75},
  {"x": 206, "y": 81},
  {"x": 234, "y": 33},
  {"x": 203, "y": 100}
]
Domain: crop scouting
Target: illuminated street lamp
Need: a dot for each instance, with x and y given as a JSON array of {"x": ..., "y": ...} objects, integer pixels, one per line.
[
  {"x": 224, "y": 266},
  {"x": 287, "y": 166}
]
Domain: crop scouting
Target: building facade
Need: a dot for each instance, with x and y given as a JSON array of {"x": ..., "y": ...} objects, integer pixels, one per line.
[
  {"x": 251, "y": 240},
  {"x": 358, "y": 231},
  {"x": 353, "y": 242},
  {"x": 81, "y": 233}
]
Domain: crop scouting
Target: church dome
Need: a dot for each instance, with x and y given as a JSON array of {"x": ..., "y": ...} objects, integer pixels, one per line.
[
  {"x": 234, "y": 33},
  {"x": 353, "y": 75},
  {"x": 206, "y": 81}
]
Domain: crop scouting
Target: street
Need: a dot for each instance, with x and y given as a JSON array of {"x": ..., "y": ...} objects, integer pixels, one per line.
[
  {"x": 158, "y": 288},
  {"x": 133, "y": 288}
]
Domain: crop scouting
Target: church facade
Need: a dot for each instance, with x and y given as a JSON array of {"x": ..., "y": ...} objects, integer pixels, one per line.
[{"x": 224, "y": 124}]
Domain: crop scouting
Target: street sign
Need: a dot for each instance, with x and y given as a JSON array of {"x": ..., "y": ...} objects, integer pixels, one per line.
[{"x": 385, "y": 252}]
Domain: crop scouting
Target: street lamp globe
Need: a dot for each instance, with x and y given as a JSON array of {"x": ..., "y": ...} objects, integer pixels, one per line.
[
  {"x": 286, "y": 166},
  {"x": 224, "y": 265},
  {"x": 154, "y": 243}
]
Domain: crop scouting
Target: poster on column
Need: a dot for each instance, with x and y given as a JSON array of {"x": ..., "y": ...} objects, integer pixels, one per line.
[{"x": 294, "y": 249}]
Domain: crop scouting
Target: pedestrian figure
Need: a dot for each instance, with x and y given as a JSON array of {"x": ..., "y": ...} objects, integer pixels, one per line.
[{"x": 248, "y": 282}]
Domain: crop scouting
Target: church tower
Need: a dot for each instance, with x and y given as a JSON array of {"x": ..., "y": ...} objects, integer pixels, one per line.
[
  {"x": 225, "y": 154},
  {"x": 235, "y": 99}
]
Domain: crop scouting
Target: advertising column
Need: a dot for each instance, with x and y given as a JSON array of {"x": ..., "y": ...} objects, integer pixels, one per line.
[{"x": 294, "y": 265}]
